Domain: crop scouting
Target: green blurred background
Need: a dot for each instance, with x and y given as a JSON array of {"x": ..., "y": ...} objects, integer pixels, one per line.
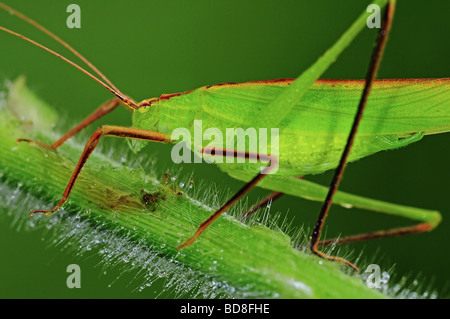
[{"x": 152, "y": 47}]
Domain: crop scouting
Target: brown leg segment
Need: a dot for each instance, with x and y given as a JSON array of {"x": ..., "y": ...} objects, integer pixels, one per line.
[
  {"x": 371, "y": 74},
  {"x": 105, "y": 130},
  {"x": 400, "y": 231},
  {"x": 269, "y": 199},
  {"x": 247, "y": 187},
  {"x": 101, "y": 111}
]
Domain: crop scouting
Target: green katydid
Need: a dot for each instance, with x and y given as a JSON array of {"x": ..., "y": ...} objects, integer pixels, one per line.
[{"x": 315, "y": 118}]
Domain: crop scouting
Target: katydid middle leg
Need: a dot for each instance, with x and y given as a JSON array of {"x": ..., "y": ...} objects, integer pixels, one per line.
[
  {"x": 269, "y": 199},
  {"x": 245, "y": 189}
]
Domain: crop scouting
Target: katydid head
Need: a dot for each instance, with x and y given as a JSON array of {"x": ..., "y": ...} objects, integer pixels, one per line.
[{"x": 146, "y": 116}]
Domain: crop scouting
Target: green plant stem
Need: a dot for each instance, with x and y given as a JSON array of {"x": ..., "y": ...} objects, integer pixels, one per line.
[{"x": 108, "y": 195}]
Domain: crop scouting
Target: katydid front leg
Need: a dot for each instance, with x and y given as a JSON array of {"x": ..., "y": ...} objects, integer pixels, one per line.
[
  {"x": 105, "y": 130},
  {"x": 98, "y": 113}
]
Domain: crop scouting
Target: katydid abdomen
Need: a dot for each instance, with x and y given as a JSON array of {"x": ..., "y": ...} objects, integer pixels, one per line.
[{"x": 312, "y": 137}]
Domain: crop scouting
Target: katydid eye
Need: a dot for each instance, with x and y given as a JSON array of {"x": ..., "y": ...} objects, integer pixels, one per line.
[
  {"x": 145, "y": 104},
  {"x": 148, "y": 103}
]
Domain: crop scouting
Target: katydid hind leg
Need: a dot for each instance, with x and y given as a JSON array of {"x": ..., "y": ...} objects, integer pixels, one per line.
[
  {"x": 105, "y": 130},
  {"x": 399, "y": 231},
  {"x": 426, "y": 219},
  {"x": 371, "y": 74}
]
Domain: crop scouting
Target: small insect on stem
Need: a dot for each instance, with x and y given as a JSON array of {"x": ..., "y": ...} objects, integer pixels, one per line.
[
  {"x": 320, "y": 124},
  {"x": 151, "y": 200},
  {"x": 149, "y": 197}
]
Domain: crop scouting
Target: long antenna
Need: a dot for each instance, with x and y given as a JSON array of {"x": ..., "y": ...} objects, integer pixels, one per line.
[
  {"x": 59, "y": 40},
  {"x": 108, "y": 85}
]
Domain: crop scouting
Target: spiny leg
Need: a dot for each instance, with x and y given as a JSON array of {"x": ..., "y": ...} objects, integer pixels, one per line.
[
  {"x": 98, "y": 113},
  {"x": 247, "y": 187},
  {"x": 371, "y": 74},
  {"x": 105, "y": 130}
]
